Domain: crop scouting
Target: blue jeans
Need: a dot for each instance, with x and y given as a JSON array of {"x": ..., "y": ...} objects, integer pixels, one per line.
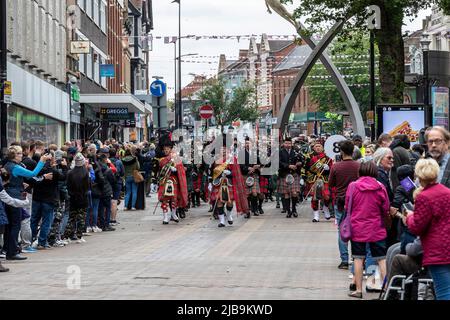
[
  {"x": 441, "y": 280},
  {"x": 131, "y": 192},
  {"x": 343, "y": 246},
  {"x": 104, "y": 211},
  {"x": 12, "y": 230},
  {"x": 65, "y": 220},
  {"x": 94, "y": 209},
  {"x": 44, "y": 211}
]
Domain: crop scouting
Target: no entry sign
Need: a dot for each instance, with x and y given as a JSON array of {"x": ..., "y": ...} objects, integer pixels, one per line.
[{"x": 206, "y": 112}]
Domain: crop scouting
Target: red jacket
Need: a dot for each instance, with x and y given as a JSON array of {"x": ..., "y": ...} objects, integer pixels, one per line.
[
  {"x": 370, "y": 204},
  {"x": 431, "y": 221}
]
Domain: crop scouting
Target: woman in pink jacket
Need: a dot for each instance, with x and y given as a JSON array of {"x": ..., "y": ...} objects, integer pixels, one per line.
[
  {"x": 431, "y": 221},
  {"x": 369, "y": 207}
]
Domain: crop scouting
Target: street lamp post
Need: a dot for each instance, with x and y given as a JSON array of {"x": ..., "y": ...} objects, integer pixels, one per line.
[
  {"x": 425, "y": 44},
  {"x": 178, "y": 115},
  {"x": 3, "y": 76}
]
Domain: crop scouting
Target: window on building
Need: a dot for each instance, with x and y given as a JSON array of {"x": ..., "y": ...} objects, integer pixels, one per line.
[
  {"x": 103, "y": 79},
  {"x": 89, "y": 65},
  {"x": 438, "y": 43},
  {"x": 89, "y": 8},
  {"x": 81, "y": 63},
  {"x": 144, "y": 84},
  {"x": 103, "y": 15},
  {"x": 97, "y": 67},
  {"x": 81, "y": 4},
  {"x": 96, "y": 12}
]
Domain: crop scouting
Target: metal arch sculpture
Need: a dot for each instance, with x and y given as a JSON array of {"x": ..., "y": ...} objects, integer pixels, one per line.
[{"x": 317, "y": 53}]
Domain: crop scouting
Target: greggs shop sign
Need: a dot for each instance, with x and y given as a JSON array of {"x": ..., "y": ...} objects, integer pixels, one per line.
[{"x": 116, "y": 114}]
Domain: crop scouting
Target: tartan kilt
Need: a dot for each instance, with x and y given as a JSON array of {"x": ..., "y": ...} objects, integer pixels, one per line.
[
  {"x": 264, "y": 184},
  {"x": 163, "y": 198},
  {"x": 197, "y": 183},
  {"x": 215, "y": 193},
  {"x": 284, "y": 188},
  {"x": 255, "y": 188}
]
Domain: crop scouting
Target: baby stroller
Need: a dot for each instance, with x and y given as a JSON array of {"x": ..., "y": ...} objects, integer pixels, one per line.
[{"x": 417, "y": 286}]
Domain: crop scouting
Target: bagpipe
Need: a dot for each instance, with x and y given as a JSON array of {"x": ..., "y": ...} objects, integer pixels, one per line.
[{"x": 298, "y": 157}]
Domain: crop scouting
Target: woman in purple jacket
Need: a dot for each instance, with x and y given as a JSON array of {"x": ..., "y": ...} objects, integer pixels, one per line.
[
  {"x": 369, "y": 207},
  {"x": 431, "y": 221}
]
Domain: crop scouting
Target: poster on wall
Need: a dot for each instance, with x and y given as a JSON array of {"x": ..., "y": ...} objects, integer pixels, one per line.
[
  {"x": 397, "y": 119},
  {"x": 439, "y": 99}
]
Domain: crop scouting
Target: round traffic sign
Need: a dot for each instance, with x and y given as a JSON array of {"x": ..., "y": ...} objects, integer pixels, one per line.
[
  {"x": 206, "y": 111},
  {"x": 158, "y": 88}
]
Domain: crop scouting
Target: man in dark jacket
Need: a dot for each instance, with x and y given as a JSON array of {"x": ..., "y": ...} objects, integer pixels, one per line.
[
  {"x": 107, "y": 191},
  {"x": 400, "y": 148},
  {"x": 78, "y": 188},
  {"x": 45, "y": 198},
  {"x": 119, "y": 176}
]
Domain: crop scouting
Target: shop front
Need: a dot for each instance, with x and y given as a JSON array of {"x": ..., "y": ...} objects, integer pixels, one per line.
[
  {"x": 116, "y": 116},
  {"x": 25, "y": 124},
  {"x": 39, "y": 109}
]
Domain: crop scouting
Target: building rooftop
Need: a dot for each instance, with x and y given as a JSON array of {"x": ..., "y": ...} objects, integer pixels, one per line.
[{"x": 295, "y": 59}]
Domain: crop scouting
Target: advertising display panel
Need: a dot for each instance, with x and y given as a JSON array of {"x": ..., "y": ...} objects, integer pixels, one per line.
[{"x": 395, "y": 119}]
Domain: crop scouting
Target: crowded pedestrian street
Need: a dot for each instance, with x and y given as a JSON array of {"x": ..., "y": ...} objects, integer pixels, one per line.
[
  {"x": 261, "y": 150},
  {"x": 263, "y": 258}
]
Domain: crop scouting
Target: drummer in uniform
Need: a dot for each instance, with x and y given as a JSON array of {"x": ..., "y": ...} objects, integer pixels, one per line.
[{"x": 291, "y": 163}]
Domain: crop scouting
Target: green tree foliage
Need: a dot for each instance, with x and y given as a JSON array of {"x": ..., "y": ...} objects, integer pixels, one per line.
[
  {"x": 351, "y": 58},
  {"x": 334, "y": 125},
  {"x": 230, "y": 106},
  {"x": 323, "y": 13}
]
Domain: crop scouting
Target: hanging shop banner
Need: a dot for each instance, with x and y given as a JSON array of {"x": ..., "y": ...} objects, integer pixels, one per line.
[
  {"x": 107, "y": 71},
  {"x": 440, "y": 101},
  {"x": 80, "y": 47}
]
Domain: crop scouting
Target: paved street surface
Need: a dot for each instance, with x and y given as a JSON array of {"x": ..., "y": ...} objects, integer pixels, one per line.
[{"x": 266, "y": 257}]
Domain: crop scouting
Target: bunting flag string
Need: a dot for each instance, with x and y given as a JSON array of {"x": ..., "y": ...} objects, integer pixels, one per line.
[
  {"x": 285, "y": 89},
  {"x": 168, "y": 39}
]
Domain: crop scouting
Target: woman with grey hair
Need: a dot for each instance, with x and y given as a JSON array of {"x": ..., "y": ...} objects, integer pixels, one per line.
[{"x": 384, "y": 159}]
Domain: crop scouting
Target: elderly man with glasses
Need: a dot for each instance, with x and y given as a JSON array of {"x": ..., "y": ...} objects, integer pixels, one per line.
[{"x": 438, "y": 141}]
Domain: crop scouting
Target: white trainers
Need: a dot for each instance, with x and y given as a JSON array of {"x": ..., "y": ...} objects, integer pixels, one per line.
[
  {"x": 316, "y": 216},
  {"x": 326, "y": 213},
  {"x": 89, "y": 230},
  {"x": 81, "y": 241},
  {"x": 96, "y": 229}
]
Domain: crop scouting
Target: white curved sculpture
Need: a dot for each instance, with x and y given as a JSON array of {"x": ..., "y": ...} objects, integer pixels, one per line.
[{"x": 344, "y": 90}]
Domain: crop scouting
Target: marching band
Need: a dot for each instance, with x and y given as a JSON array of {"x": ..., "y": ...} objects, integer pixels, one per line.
[{"x": 229, "y": 184}]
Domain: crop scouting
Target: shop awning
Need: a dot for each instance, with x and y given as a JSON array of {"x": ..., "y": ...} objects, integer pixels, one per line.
[
  {"x": 126, "y": 100},
  {"x": 309, "y": 116}
]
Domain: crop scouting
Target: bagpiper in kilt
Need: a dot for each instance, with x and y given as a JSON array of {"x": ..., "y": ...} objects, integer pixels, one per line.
[
  {"x": 318, "y": 171},
  {"x": 228, "y": 188},
  {"x": 291, "y": 163},
  {"x": 251, "y": 171},
  {"x": 172, "y": 191},
  {"x": 197, "y": 175}
]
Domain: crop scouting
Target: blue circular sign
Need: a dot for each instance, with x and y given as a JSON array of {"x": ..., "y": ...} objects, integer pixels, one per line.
[{"x": 158, "y": 88}]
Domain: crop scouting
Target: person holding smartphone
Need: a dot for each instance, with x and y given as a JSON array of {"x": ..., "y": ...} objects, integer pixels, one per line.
[
  {"x": 15, "y": 188},
  {"x": 403, "y": 194},
  {"x": 45, "y": 199}
]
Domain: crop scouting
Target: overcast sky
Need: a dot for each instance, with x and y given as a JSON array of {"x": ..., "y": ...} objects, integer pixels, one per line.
[{"x": 214, "y": 17}]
